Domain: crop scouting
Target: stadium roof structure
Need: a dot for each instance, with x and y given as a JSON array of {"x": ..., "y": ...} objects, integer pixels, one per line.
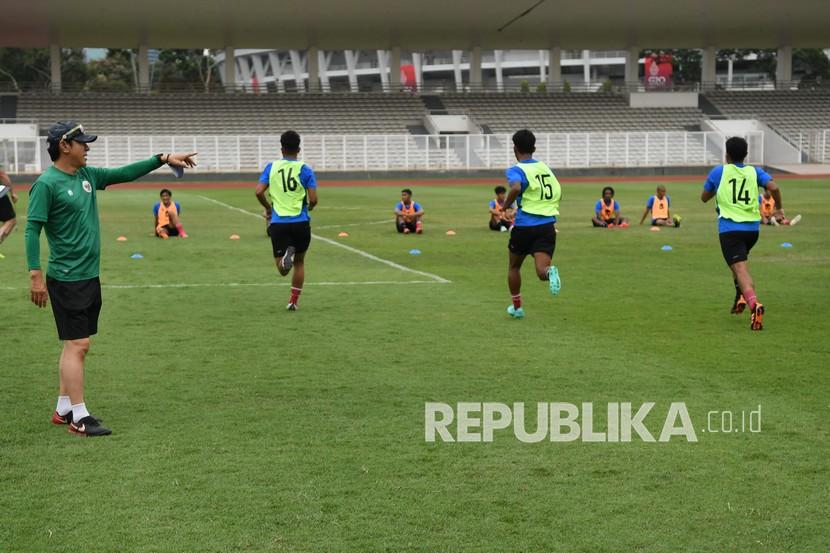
[{"x": 417, "y": 24}]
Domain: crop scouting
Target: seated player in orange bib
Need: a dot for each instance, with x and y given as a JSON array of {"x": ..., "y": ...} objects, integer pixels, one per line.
[
  {"x": 660, "y": 207},
  {"x": 607, "y": 211},
  {"x": 408, "y": 214},
  {"x": 768, "y": 212},
  {"x": 501, "y": 217},
  {"x": 167, "y": 213}
]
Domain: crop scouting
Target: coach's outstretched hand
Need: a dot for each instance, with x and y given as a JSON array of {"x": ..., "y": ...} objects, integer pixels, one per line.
[{"x": 181, "y": 160}]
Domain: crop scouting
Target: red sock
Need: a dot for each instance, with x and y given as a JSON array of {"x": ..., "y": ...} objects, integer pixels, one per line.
[
  {"x": 517, "y": 301},
  {"x": 295, "y": 295},
  {"x": 180, "y": 228},
  {"x": 751, "y": 300}
]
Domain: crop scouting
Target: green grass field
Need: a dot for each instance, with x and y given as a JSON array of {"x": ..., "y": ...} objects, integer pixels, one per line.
[{"x": 241, "y": 427}]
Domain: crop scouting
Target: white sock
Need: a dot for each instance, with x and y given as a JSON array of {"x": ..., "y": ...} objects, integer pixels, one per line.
[
  {"x": 64, "y": 405},
  {"x": 79, "y": 411}
]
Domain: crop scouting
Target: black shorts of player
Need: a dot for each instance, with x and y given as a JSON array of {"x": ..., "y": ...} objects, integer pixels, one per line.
[
  {"x": 735, "y": 245},
  {"x": 606, "y": 221},
  {"x": 76, "y": 306},
  {"x": 498, "y": 225},
  {"x": 283, "y": 235},
  {"x": 171, "y": 231},
  {"x": 6, "y": 209},
  {"x": 401, "y": 225},
  {"x": 530, "y": 240}
]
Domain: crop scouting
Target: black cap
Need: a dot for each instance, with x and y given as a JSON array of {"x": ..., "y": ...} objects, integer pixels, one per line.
[{"x": 69, "y": 130}]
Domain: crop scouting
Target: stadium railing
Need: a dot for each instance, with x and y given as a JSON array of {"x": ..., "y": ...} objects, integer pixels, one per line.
[
  {"x": 250, "y": 153},
  {"x": 524, "y": 86}
]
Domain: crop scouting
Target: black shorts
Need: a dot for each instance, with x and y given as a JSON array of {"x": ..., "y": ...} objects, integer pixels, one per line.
[
  {"x": 530, "y": 240},
  {"x": 171, "y": 231},
  {"x": 400, "y": 225},
  {"x": 498, "y": 225},
  {"x": 6, "y": 208},
  {"x": 283, "y": 235},
  {"x": 736, "y": 245},
  {"x": 76, "y": 306}
]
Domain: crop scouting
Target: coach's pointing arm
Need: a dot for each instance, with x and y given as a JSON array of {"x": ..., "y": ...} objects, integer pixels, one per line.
[{"x": 105, "y": 177}]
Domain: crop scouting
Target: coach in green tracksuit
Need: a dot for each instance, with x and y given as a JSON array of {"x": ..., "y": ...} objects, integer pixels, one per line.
[{"x": 63, "y": 201}]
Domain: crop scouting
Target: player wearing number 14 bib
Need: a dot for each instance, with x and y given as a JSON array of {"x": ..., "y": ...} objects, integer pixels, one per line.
[
  {"x": 735, "y": 189},
  {"x": 287, "y": 189},
  {"x": 537, "y": 192}
]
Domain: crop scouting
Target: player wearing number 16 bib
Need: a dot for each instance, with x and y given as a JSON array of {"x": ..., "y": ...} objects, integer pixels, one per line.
[
  {"x": 537, "y": 192},
  {"x": 287, "y": 190},
  {"x": 735, "y": 189}
]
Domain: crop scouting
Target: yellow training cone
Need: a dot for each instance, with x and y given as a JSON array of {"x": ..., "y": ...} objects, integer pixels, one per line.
[
  {"x": 122, "y": 238},
  {"x": 450, "y": 233},
  {"x": 234, "y": 237},
  {"x": 343, "y": 234}
]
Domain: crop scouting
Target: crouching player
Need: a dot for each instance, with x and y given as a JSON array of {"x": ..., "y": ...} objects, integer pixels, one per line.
[
  {"x": 659, "y": 205},
  {"x": 408, "y": 214},
  {"x": 607, "y": 211},
  {"x": 167, "y": 214},
  {"x": 501, "y": 216},
  {"x": 767, "y": 203}
]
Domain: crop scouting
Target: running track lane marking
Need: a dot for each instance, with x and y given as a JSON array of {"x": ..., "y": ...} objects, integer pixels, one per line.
[{"x": 361, "y": 253}]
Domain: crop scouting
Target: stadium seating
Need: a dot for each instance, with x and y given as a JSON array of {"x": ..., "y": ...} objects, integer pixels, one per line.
[
  {"x": 343, "y": 113},
  {"x": 789, "y": 112},
  {"x": 576, "y": 112},
  {"x": 207, "y": 114}
]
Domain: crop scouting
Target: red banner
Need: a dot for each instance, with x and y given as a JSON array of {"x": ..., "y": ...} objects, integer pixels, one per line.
[
  {"x": 658, "y": 71},
  {"x": 408, "y": 76}
]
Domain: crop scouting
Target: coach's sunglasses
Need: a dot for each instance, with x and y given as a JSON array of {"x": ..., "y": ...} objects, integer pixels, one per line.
[{"x": 73, "y": 132}]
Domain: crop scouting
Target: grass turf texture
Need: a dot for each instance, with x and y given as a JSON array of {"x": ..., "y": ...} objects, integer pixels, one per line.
[{"x": 241, "y": 427}]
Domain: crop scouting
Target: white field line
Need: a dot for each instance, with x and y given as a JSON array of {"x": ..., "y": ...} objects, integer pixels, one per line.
[
  {"x": 384, "y": 222},
  {"x": 247, "y": 284},
  {"x": 361, "y": 253}
]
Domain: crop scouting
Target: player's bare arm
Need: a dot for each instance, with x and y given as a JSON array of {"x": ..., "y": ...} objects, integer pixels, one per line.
[
  {"x": 312, "y": 198},
  {"x": 705, "y": 196},
  {"x": 261, "y": 190},
  {"x": 515, "y": 190},
  {"x": 643, "y": 218},
  {"x": 775, "y": 192}
]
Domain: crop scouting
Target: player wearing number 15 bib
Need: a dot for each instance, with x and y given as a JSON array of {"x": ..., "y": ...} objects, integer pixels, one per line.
[
  {"x": 537, "y": 192},
  {"x": 287, "y": 190},
  {"x": 735, "y": 189}
]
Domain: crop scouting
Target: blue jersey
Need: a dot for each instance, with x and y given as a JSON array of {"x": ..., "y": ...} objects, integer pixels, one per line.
[
  {"x": 728, "y": 225},
  {"x": 417, "y": 206},
  {"x": 307, "y": 179},
  {"x": 514, "y": 174}
]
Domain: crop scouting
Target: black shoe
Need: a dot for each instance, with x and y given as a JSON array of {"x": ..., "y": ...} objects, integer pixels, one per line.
[
  {"x": 88, "y": 426},
  {"x": 287, "y": 260}
]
